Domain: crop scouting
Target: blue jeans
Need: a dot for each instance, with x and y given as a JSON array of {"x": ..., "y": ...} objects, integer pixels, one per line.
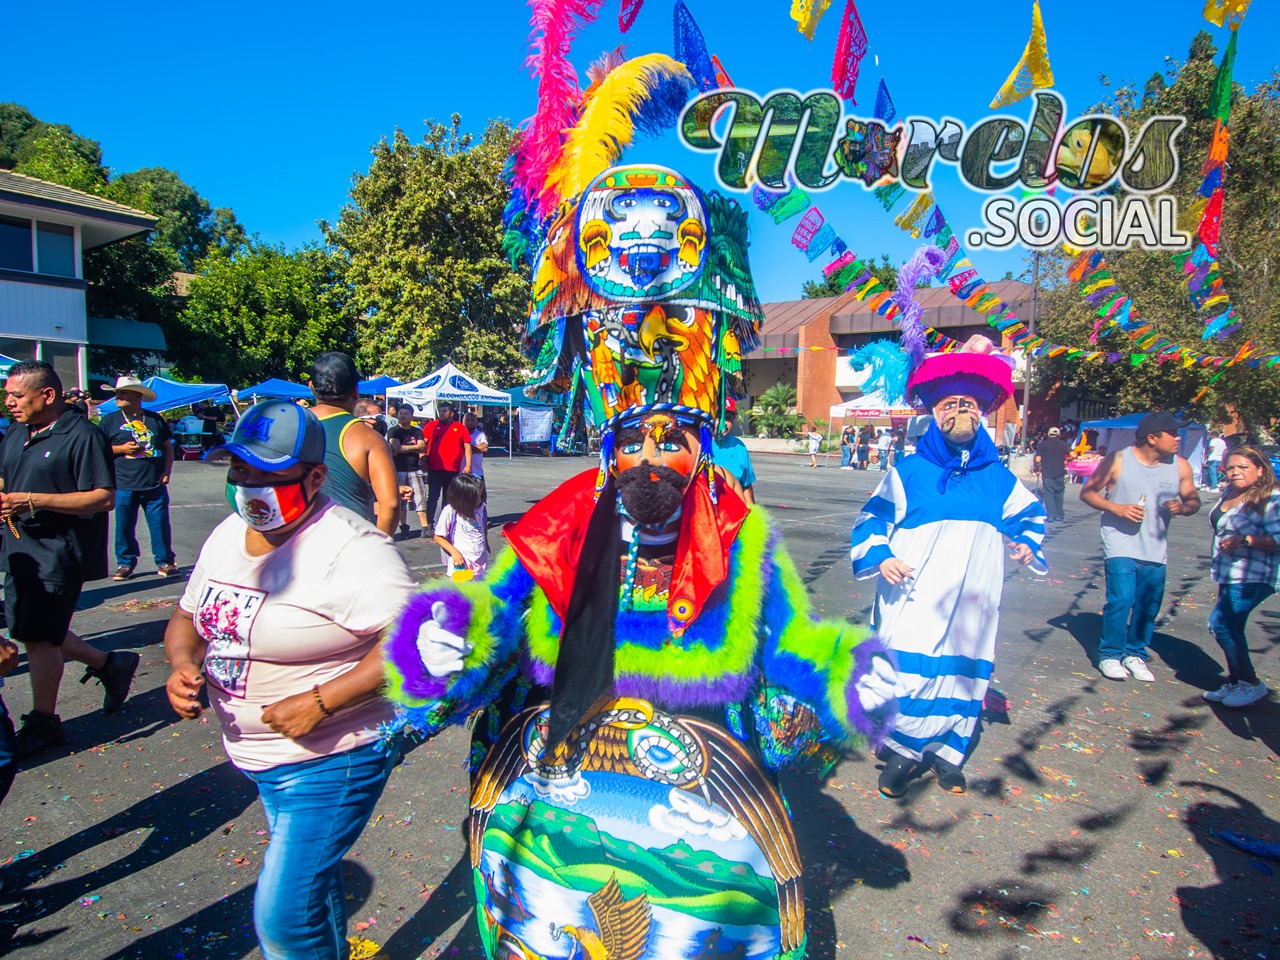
[
  {"x": 1135, "y": 589},
  {"x": 846, "y": 455},
  {"x": 1235, "y": 602},
  {"x": 1211, "y": 468},
  {"x": 155, "y": 504},
  {"x": 315, "y": 812},
  {"x": 8, "y": 751}
]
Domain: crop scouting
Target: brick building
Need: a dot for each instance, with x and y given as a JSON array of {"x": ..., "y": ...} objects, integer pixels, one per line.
[{"x": 798, "y": 337}]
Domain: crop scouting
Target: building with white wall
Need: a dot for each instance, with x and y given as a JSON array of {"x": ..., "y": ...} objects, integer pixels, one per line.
[{"x": 44, "y": 230}]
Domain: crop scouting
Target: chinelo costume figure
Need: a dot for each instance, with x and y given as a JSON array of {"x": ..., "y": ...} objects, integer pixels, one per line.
[
  {"x": 641, "y": 659},
  {"x": 934, "y": 532}
]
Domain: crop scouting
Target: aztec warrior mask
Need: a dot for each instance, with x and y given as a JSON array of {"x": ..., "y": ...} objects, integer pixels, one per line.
[{"x": 642, "y": 299}]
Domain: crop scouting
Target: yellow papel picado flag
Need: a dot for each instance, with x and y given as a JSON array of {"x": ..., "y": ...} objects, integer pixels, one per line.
[{"x": 1033, "y": 71}]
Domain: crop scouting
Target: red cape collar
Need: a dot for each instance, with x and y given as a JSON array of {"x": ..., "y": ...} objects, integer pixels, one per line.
[{"x": 548, "y": 540}]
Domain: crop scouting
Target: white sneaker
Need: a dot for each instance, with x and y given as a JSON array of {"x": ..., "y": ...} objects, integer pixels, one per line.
[
  {"x": 1112, "y": 670},
  {"x": 1217, "y": 696},
  {"x": 1245, "y": 694},
  {"x": 1138, "y": 667}
]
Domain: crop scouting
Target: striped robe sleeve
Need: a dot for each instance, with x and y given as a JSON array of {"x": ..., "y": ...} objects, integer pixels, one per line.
[
  {"x": 874, "y": 526},
  {"x": 1023, "y": 522}
]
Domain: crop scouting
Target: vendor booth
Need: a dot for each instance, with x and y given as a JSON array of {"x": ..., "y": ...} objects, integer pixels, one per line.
[
  {"x": 447, "y": 383},
  {"x": 274, "y": 389},
  {"x": 170, "y": 394},
  {"x": 1118, "y": 432},
  {"x": 869, "y": 408}
]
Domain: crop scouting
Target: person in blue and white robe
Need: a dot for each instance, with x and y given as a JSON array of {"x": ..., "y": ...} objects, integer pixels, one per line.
[{"x": 934, "y": 532}]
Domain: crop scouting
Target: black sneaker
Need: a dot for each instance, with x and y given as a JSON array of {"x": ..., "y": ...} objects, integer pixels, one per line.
[
  {"x": 949, "y": 776},
  {"x": 39, "y": 732},
  {"x": 897, "y": 771},
  {"x": 115, "y": 676}
]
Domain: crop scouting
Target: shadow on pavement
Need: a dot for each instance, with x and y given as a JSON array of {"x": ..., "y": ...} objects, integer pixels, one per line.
[
  {"x": 837, "y": 856},
  {"x": 1235, "y": 918},
  {"x": 139, "y": 718},
  {"x": 452, "y": 901},
  {"x": 173, "y": 819}
]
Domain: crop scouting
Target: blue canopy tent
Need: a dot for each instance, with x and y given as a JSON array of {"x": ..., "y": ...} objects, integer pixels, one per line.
[
  {"x": 378, "y": 386},
  {"x": 274, "y": 389},
  {"x": 5, "y": 364},
  {"x": 171, "y": 394}
]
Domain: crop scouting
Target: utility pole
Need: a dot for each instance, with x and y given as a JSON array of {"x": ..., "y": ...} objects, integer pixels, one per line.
[{"x": 1026, "y": 373}]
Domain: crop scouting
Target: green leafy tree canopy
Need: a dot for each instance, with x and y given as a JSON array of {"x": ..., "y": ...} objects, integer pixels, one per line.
[{"x": 423, "y": 237}]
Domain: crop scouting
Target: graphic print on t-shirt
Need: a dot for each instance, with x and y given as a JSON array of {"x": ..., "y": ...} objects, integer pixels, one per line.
[
  {"x": 143, "y": 438},
  {"x": 224, "y": 619}
]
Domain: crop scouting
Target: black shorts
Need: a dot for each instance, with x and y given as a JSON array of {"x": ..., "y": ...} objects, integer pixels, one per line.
[{"x": 39, "y": 612}]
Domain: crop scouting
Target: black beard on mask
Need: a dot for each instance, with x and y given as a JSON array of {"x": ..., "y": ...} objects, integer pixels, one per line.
[{"x": 649, "y": 501}]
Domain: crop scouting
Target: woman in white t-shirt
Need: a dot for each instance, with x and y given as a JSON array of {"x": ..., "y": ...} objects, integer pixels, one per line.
[
  {"x": 278, "y": 624},
  {"x": 462, "y": 529}
]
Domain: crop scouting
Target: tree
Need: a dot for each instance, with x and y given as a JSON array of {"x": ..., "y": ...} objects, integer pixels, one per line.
[
  {"x": 132, "y": 280},
  {"x": 774, "y": 414},
  {"x": 15, "y": 122},
  {"x": 263, "y": 313},
  {"x": 185, "y": 220},
  {"x": 423, "y": 236},
  {"x": 883, "y": 271},
  {"x": 55, "y": 154},
  {"x": 1248, "y": 250}
]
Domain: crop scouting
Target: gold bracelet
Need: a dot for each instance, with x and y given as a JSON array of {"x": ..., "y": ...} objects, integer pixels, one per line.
[
  {"x": 315, "y": 692},
  {"x": 31, "y": 507}
]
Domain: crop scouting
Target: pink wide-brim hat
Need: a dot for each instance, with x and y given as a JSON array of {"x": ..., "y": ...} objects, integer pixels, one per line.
[{"x": 987, "y": 377}]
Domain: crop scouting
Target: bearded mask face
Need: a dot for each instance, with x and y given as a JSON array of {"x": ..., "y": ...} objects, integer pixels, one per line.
[
  {"x": 958, "y": 418},
  {"x": 657, "y": 459}
]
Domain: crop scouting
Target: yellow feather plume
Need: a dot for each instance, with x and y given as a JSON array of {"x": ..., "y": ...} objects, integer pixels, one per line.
[{"x": 606, "y": 125}]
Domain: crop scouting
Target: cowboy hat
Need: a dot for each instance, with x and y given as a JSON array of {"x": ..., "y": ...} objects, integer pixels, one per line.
[{"x": 133, "y": 385}]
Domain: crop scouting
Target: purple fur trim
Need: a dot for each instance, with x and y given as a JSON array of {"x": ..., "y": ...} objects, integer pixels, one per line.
[
  {"x": 401, "y": 649},
  {"x": 673, "y": 694},
  {"x": 923, "y": 263},
  {"x": 537, "y": 671},
  {"x": 874, "y": 726}
]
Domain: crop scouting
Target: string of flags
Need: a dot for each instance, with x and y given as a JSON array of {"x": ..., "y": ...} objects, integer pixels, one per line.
[
  {"x": 815, "y": 236},
  {"x": 1032, "y": 72}
]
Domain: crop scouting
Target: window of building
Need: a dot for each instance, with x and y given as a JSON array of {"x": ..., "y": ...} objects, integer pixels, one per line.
[
  {"x": 17, "y": 348},
  {"x": 15, "y": 244},
  {"x": 65, "y": 360},
  {"x": 56, "y": 249}
]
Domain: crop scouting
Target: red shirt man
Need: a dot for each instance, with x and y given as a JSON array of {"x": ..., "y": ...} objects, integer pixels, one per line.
[{"x": 448, "y": 454}]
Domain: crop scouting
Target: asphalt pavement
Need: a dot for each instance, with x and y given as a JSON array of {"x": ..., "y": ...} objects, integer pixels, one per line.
[{"x": 1091, "y": 827}]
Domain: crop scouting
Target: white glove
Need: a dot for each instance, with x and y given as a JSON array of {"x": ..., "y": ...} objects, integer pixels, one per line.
[
  {"x": 876, "y": 687},
  {"x": 442, "y": 652}
]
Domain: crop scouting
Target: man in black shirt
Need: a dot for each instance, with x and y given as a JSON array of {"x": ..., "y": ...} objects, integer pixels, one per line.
[
  {"x": 407, "y": 447},
  {"x": 1051, "y": 464},
  {"x": 58, "y": 487},
  {"x": 142, "y": 445}
]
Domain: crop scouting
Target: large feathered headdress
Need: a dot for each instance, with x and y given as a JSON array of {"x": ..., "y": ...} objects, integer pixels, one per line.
[{"x": 641, "y": 295}]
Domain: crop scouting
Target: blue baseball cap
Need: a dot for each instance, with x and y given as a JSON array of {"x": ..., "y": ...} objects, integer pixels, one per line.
[{"x": 274, "y": 435}]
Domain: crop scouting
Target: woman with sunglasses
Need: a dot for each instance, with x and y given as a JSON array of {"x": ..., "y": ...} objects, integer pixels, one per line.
[
  {"x": 1246, "y": 567},
  {"x": 278, "y": 624}
]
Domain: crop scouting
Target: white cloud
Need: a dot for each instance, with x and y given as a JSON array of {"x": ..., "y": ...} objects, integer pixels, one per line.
[
  {"x": 569, "y": 790},
  {"x": 689, "y": 815}
]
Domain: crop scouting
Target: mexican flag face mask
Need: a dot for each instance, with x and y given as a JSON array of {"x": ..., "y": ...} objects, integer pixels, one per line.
[{"x": 269, "y": 506}]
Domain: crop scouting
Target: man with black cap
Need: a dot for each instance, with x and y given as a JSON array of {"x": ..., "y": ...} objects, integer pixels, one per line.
[
  {"x": 1051, "y": 464},
  {"x": 362, "y": 474},
  {"x": 1138, "y": 489}
]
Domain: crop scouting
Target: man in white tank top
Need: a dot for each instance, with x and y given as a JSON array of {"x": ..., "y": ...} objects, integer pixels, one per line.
[{"x": 1138, "y": 490}]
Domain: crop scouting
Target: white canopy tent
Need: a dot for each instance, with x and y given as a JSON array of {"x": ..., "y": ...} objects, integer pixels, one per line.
[
  {"x": 869, "y": 406},
  {"x": 451, "y": 384}
]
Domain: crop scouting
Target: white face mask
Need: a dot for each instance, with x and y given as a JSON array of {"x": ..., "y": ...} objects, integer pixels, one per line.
[{"x": 268, "y": 508}]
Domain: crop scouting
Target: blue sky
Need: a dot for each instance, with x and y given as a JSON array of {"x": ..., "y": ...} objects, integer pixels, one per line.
[{"x": 271, "y": 107}]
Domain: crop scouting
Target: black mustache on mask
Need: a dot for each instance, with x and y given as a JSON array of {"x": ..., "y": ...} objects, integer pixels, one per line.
[{"x": 647, "y": 500}]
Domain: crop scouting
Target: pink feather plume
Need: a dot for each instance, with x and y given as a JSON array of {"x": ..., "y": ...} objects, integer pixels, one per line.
[{"x": 555, "y": 24}]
